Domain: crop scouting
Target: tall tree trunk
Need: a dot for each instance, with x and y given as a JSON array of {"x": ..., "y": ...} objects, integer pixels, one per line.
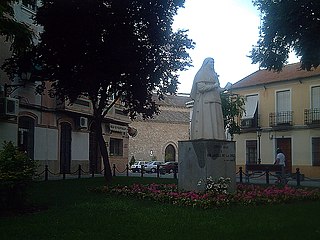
[{"x": 103, "y": 149}]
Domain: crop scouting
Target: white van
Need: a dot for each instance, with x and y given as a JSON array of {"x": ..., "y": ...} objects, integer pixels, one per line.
[{"x": 137, "y": 166}]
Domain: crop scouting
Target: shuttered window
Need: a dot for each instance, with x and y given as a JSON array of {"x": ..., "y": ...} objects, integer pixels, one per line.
[
  {"x": 315, "y": 97},
  {"x": 283, "y": 101},
  {"x": 316, "y": 151},
  {"x": 26, "y": 135}
]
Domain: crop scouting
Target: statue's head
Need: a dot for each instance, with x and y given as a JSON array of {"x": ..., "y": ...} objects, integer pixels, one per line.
[
  {"x": 208, "y": 63},
  {"x": 207, "y": 60}
]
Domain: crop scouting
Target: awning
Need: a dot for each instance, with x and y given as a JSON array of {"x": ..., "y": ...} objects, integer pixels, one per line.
[{"x": 250, "y": 106}]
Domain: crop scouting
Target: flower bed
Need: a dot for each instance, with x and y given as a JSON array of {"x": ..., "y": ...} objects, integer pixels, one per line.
[{"x": 245, "y": 195}]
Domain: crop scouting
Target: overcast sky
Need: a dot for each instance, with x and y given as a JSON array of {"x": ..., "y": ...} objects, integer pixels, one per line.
[{"x": 223, "y": 29}]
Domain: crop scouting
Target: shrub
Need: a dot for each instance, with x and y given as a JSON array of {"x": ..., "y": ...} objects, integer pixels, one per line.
[{"x": 16, "y": 173}]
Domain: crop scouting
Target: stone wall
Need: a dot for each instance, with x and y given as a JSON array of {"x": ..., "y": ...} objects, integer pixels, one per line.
[
  {"x": 153, "y": 138},
  {"x": 165, "y": 129}
]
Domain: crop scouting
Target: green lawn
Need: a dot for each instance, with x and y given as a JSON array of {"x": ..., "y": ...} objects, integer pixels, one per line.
[{"x": 76, "y": 213}]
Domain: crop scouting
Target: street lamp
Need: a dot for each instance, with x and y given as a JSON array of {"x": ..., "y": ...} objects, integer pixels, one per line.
[
  {"x": 10, "y": 88},
  {"x": 259, "y": 131}
]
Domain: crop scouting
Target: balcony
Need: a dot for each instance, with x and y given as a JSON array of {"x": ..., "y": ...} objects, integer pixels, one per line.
[
  {"x": 249, "y": 124},
  {"x": 80, "y": 105},
  {"x": 312, "y": 116},
  {"x": 281, "y": 119},
  {"x": 116, "y": 113}
]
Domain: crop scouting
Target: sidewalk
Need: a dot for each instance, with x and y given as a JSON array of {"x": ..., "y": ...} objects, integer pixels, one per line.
[
  {"x": 292, "y": 182},
  {"x": 307, "y": 182}
]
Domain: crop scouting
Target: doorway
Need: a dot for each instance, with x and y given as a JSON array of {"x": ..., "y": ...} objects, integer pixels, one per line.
[
  {"x": 65, "y": 147},
  {"x": 170, "y": 153},
  {"x": 94, "y": 151},
  {"x": 285, "y": 145}
]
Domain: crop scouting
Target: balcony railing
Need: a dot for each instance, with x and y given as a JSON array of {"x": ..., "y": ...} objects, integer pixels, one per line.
[
  {"x": 250, "y": 123},
  {"x": 312, "y": 116},
  {"x": 281, "y": 119}
]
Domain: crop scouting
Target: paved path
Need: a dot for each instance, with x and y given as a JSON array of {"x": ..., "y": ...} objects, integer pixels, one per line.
[
  {"x": 292, "y": 182},
  {"x": 256, "y": 180}
]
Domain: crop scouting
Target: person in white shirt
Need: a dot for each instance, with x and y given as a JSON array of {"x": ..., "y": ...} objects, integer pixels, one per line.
[{"x": 280, "y": 160}]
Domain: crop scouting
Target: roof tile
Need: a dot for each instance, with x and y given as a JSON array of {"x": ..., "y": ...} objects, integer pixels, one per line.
[{"x": 289, "y": 72}]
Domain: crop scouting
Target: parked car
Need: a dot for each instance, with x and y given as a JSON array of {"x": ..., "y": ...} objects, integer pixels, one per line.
[
  {"x": 168, "y": 167},
  {"x": 136, "y": 167},
  {"x": 152, "y": 167}
]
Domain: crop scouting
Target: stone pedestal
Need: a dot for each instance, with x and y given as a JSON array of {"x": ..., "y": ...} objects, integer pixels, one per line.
[{"x": 200, "y": 159}]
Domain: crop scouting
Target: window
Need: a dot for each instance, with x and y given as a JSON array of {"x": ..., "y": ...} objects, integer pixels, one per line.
[
  {"x": 315, "y": 97},
  {"x": 316, "y": 151},
  {"x": 250, "y": 106},
  {"x": 116, "y": 147},
  {"x": 251, "y": 151},
  {"x": 85, "y": 103},
  {"x": 30, "y": 4},
  {"x": 26, "y": 135},
  {"x": 250, "y": 115},
  {"x": 283, "y": 99},
  {"x": 313, "y": 116}
]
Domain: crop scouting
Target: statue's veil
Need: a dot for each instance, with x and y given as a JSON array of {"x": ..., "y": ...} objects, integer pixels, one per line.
[{"x": 206, "y": 73}]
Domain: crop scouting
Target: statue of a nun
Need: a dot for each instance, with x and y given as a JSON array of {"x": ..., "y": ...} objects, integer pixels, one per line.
[{"x": 207, "y": 118}]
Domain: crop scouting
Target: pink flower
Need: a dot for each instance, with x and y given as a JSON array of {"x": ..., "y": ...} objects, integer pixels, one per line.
[{"x": 245, "y": 194}]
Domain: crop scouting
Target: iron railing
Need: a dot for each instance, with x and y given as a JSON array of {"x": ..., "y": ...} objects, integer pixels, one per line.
[
  {"x": 250, "y": 123},
  {"x": 312, "y": 116},
  {"x": 281, "y": 119}
]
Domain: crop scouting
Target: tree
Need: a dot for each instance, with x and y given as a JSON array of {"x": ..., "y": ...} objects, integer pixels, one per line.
[
  {"x": 21, "y": 38},
  {"x": 109, "y": 51},
  {"x": 232, "y": 108},
  {"x": 17, "y": 33},
  {"x": 288, "y": 25}
]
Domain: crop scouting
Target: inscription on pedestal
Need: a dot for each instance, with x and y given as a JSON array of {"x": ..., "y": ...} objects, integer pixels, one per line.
[{"x": 200, "y": 159}]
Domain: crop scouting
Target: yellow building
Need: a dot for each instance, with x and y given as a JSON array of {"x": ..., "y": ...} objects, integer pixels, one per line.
[{"x": 282, "y": 111}]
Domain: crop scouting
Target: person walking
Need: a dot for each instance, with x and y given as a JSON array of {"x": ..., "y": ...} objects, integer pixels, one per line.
[{"x": 280, "y": 160}]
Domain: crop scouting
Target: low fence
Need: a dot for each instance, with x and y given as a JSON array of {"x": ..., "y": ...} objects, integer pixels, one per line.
[
  {"x": 282, "y": 178},
  {"x": 263, "y": 176},
  {"x": 80, "y": 173}
]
